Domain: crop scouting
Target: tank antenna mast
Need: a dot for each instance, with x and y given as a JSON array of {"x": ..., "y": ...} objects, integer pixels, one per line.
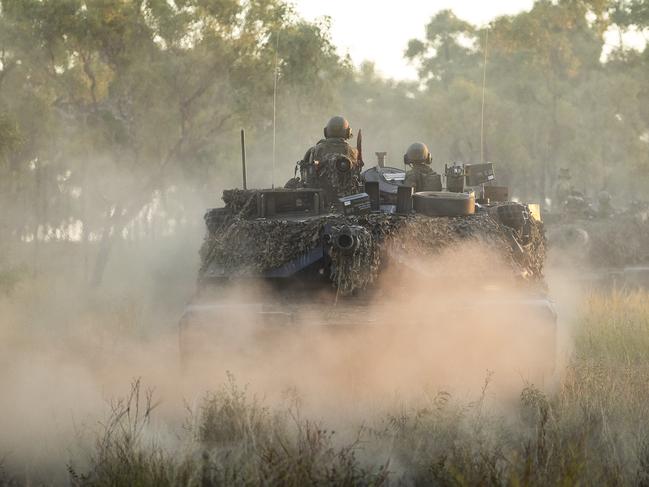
[
  {"x": 275, "y": 76},
  {"x": 484, "y": 85},
  {"x": 243, "y": 159}
]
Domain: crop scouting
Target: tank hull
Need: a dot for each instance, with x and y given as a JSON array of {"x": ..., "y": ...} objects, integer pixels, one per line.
[{"x": 512, "y": 334}]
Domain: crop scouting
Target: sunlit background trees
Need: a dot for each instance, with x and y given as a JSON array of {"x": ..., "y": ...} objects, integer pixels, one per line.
[{"x": 119, "y": 119}]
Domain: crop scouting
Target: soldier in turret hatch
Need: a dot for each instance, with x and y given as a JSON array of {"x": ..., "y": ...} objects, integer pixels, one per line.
[
  {"x": 331, "y": 164},
  {"x": 420, "y": 175}
]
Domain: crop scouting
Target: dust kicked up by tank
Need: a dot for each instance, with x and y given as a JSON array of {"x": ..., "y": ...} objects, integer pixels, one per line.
[{"x": 323, "y": 243}]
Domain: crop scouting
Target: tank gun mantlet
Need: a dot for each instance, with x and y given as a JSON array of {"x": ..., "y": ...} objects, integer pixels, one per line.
[{"x": 344, "y": 238}]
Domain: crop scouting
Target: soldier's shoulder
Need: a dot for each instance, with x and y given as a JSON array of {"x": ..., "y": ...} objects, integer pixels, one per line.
[{"x": 318, "y": 144}]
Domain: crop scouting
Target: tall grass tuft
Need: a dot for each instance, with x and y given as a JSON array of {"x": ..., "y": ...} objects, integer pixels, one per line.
[
  {"x": 124, "y": 455},
  {"x": 232, "y": 440},
  {"x": 592, "y": 430}
]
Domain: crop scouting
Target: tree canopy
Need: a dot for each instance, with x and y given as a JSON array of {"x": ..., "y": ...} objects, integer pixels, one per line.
[{"x": 115, "y": 114}]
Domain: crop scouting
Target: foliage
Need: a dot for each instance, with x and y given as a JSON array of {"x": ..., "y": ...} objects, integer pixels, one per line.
[
  {"x": 118, "y": 118},
  {"x": 631, "y": 13},
  {"x": 119, "y": 103},
  {"x": 233, "y": 441},
  {"x": 547, "y": 90}
]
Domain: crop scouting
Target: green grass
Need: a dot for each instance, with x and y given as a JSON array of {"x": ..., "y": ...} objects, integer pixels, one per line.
[{"x": 591, "y": 430}]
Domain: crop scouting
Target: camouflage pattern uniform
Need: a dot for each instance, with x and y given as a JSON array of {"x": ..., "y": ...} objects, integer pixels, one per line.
[
  {"x": 318, "y": 167},
  {"x": 319, "y": 155},
  {"x": 321, "y": 162},
  {"x": 336, "y": 133},
  {"x": 422, "y": 178},
  {"x": 335, "y": 145}
]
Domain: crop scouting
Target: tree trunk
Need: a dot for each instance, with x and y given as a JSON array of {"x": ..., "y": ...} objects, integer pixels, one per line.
[{"x": 111, "y": 231}]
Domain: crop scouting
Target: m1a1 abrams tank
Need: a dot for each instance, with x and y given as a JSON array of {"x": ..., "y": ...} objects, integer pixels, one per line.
[{"x": 368, "y": 256}]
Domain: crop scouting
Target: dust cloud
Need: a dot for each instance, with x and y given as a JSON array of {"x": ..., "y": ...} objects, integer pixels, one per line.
[{"x": 448, "y": 323}]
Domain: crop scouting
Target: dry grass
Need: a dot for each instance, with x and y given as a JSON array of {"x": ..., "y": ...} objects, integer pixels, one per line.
[
  {"x": 231, "y": 440},
  {"x": 592, "y": 430}
]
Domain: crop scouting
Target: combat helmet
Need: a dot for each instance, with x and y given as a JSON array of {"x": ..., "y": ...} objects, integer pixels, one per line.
[
  {"x": 338, "y": 127},
  {"x": 417, "y": 153}
]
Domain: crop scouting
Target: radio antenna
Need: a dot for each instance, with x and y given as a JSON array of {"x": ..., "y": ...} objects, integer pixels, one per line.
[
  {"x": 243, "y": 159},
  {"x": 484, "y": 85},
  {"x": 275, "y": 76}
]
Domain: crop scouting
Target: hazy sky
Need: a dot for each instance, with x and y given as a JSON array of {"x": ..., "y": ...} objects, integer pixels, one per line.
[{"x": 380, "y": 30}]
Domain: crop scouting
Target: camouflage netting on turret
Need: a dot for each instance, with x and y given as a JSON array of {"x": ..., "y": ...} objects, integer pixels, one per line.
[
  {"x": 421, "y": 236},
  {"x": 428, "y": 236},
  {"x": 247, "y": 247},
  {"x": 240, "y": 202},
  {"x": 236, "y": 245}
]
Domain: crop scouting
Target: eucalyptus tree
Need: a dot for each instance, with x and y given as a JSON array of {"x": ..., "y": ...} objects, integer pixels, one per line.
[{"x": 118, "y": 103}]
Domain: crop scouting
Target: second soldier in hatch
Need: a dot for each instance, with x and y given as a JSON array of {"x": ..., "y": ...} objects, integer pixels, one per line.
[{"x": 420, "y": 175}]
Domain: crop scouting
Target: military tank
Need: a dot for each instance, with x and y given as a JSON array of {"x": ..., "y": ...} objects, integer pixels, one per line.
[
  {"x": 353, "y": 250},
  {"x": 602, "y": 245}
]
